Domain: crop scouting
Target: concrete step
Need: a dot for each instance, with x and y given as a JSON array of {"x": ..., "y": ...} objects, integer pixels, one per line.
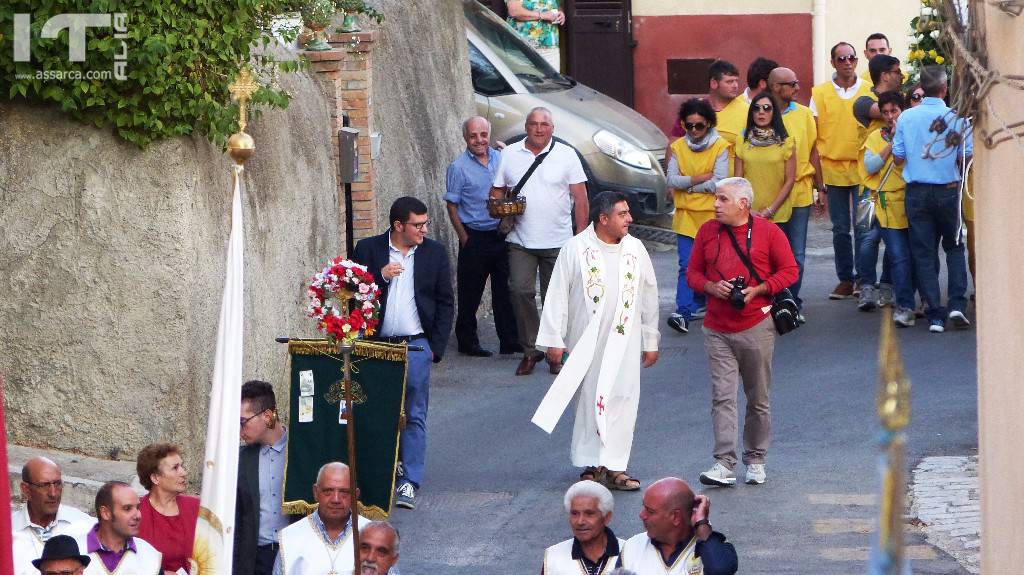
[{"x": 82, "y": 475}]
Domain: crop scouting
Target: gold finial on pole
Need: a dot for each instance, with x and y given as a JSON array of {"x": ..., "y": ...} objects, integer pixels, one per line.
[{"x": 240, "y": 144}]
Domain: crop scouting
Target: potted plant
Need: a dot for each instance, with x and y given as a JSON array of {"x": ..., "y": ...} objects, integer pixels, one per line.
[
  {"x": 352, "y": 8},
  {"x": 316, "y": 15}
]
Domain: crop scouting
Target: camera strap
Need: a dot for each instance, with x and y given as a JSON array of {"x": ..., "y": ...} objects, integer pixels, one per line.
[{"x": 739, "y": 252}]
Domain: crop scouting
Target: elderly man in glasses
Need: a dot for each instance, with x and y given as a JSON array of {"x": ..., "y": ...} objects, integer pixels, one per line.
[
  {"x": 839, "y": 146},
  {"x": 42, "y": 516}
]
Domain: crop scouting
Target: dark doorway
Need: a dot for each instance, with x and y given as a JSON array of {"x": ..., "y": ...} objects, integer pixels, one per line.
[
  {"x": 599, "y": 46},
  {"x": 498, "y": 6}
]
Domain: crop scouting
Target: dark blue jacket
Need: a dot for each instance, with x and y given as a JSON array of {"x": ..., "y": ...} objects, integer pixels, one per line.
[{"x": 432, "y": 283}]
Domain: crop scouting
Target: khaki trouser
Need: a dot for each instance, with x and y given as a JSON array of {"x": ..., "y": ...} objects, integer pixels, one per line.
[
  {"x": 745, "y": 355},
  {"x": 523, "y": 265}
]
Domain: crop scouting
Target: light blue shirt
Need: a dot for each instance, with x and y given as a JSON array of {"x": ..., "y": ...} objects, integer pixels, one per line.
[
  {"x": 322, "y": 530},
  {"x": 271, "y": 475},
  {"x": 401, "y": 316},
  {"x": 913, "y": 137},
  {"x": 469, "y": 185}
]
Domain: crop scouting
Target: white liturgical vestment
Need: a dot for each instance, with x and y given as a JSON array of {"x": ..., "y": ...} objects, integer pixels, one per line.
[
  {"x": 601, "y": 304},
  {"x": 305, "y": 551},
  {"x": 558, "y": 560},
  {"x": 641, "y": 556}
]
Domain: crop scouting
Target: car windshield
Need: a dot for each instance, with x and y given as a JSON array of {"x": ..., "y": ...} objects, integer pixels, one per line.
[{"x": 532, "y": 70}]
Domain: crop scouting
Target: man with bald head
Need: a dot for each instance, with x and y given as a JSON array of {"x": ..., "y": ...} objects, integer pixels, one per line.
[
  {"x": 799, "y": 122},
  {"x": 678, "y": 538},
  {"x": 322, "y": 542},
  {"x": 42, "y": 516},
  {"x": 483, "y": 252}
]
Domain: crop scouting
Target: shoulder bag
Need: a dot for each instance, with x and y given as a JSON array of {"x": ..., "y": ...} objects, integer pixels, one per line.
[
  {"x": 509, "y": 222},
  {"x": 784, "y": 308}
]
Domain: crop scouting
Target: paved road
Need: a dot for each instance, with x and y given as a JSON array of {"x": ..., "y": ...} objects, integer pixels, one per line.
[{"x": 493, "y": 494}]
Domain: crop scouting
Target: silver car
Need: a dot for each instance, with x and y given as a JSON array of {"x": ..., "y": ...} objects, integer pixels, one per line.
[{"x": 620, "y": 149}]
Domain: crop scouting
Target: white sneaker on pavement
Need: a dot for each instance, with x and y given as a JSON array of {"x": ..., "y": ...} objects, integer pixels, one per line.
[
  {"x": 755, "y": 474},
  {"x": 719, "y": 475},
  {"x": 868, "y": 299},
  {"x": 959, "y": 320},
  {"x": 886, "y": 295},
  {"x": 904, "y": 317}
]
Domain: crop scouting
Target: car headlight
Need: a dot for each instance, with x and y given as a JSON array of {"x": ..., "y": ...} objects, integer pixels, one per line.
[{"x": 622, "y": 150}]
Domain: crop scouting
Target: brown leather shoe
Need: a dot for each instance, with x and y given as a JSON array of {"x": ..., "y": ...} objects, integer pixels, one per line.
[{"x": 528, "y": 362}]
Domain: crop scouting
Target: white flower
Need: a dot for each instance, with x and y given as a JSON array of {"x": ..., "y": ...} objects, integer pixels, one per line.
[
  {"x": 934, "y": 34},
  {"x": 927, "y": 11},
  {"x": 912, "y": 38},
  {"x": 346, "y": 328}
]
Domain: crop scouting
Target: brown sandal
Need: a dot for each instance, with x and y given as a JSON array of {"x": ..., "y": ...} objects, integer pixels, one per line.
[
  {"x": 621, "y": 481},
  {"x": 592, "y": 474}
]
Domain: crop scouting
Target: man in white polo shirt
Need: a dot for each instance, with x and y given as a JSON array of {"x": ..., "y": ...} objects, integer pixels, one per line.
[{"x": 556, "y": 198}]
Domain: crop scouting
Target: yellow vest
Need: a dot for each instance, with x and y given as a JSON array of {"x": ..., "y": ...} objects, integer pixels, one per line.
[
  {"x": 838, "y": 138},
  {"x": 967, "y": 202},
  {"x": 876, "y": 123},
  {"x": 732, "y": 120},
  {"x": 765, "y": 167},
  {"x": 799, "y": 123},
  {"x": 693, "y": 209},
  {"x": 892, "y": 214}
]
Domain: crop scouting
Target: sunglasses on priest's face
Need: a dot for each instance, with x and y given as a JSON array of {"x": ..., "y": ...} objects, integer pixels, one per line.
[
  {"x": 762, "y": 107},
  {"x": 699, "y": 126}
]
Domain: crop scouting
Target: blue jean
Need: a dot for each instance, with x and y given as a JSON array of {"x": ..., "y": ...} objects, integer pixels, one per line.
[
  {"x": 796, "y": 232},
  {"x": 897, "y": 251},
  {"x": 687, "y": 301},
  {"x": 867, "y": 256},
  {"x": 412, "y": 445},
  {"x": 933, "y": 211},
  {"x": 840, "y": 200}
]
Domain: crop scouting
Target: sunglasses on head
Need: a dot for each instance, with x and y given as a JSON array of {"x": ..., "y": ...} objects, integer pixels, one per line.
[
  {"x": 916, "y": 97},
  {"x": 762, "y": 107},
  {"x": 850, "y": 58},
  {"x": 698, "y": 126}
]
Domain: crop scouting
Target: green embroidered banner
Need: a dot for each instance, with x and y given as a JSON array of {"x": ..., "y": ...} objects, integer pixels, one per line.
[{"x": 315, "y": 435}]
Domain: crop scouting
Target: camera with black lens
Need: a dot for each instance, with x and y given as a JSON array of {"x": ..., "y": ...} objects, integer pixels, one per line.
[{"x": 736, "y": 297}]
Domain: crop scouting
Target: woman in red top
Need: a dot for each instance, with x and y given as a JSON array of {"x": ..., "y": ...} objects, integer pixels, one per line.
[{"x": 168, "y": 515}]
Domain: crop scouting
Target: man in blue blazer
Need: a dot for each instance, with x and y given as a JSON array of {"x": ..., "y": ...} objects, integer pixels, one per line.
[{"x": 417, "y": 306}]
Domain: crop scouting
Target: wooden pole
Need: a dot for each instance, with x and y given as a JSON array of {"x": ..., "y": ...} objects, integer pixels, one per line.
[{"x": 346, "y": 352}]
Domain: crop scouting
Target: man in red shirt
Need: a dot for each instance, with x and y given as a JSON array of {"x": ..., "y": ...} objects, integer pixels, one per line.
[{"x": 739, "y": 335}]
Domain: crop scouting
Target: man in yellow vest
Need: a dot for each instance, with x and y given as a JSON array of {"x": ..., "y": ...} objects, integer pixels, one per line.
[
  {"x": 839, "y": 146},
  {"x": 723, "y": 95},
  {"x": 799, "y": 122}
]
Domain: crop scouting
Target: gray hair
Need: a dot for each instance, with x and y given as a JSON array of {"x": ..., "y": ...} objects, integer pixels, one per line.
[
  {"x": 588, "y": 488},
  {"x": 386, "y": 527},
  {"x": 541, "y": 109},
  {"x": 933, "y": 80},
  {"x": 465, "y": 124},
  {"x": 738, "y": 188},
  {"x": 604, "y": 203},
  {"x": 328, "y": 465}
]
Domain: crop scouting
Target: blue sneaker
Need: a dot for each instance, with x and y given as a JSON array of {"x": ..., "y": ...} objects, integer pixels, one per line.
[
  {"x": 679, "y": 323},
  {"x": 405, "y": 496}
]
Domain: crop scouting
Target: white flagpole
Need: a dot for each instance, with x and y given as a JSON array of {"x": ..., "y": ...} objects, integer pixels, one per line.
[{"x": 212, "y": 549}]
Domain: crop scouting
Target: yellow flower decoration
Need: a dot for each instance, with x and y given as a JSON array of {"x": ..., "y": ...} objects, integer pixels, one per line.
[
  {"x": 939, "y": 59},
  {"x": 933, "y": 53}
]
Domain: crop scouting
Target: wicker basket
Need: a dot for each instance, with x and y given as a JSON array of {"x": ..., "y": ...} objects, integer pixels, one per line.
[{"x": 504, "y": 207}]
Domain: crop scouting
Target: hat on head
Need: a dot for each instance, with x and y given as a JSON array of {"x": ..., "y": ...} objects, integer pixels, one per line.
[{"x": 61, "y": 547}]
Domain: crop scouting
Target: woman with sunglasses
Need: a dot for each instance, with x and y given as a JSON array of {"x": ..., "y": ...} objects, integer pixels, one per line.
[
  {"x": 696, "y": 162},
  {"x": 914, "y": 95},
  {"x": 765, "y": 157}
]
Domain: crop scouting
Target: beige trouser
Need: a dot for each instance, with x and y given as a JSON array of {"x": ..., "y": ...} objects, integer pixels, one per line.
[
  {"x": 523, "y": 265},
  {"x": 745, "y": 355}
]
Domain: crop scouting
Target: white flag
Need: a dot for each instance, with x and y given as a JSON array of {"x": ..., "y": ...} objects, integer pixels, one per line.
[{"x": 215, "y": 530}]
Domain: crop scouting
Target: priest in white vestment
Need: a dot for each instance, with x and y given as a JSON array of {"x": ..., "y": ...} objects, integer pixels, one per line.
[
  {"x": 602, "y": 308},
  {"x": 321, "y": 543},
  {"x": 678, "y": 538}
]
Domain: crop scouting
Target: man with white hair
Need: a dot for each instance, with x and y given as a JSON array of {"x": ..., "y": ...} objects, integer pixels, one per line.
[
  {"x": 378, "y": 548},
  {"x": 593, "y": 548},
  {"x": 739, "y": 334}
]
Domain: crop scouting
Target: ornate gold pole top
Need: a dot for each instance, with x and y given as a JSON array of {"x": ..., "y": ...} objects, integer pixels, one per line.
[
  {"x": 894, "y": 387},
  {"x": 240, "y": 144}
]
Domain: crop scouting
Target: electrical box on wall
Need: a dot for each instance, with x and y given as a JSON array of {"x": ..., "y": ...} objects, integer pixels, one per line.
[{"x": 348, "y": 155}]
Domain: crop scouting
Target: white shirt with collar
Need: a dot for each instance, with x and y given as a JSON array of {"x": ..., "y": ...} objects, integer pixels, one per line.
[
  {"x": 28, "y": 538},
  {"x": 547, "y": 222},
  {"x": 400, "y": 314},
  {"x": 844, "y": 93}
]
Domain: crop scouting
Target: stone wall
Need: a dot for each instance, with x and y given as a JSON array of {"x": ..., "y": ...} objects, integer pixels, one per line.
[{"x": 112, "y": 265}]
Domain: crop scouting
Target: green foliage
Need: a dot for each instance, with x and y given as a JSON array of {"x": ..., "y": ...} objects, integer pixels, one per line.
[
  {"x": 181, "y": 56},
  {"x": 359, "y": 7},
  {"x": 926, "y": 40}
]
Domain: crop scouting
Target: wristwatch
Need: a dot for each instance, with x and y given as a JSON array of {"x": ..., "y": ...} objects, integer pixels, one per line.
[{"x": 702, "y": 522}]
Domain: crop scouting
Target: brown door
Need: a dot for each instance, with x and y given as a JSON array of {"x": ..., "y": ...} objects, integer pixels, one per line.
[{"x": 599, "y": 46}]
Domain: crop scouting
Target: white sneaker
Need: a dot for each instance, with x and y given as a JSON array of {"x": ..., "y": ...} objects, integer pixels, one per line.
[
  {"x": 959, "y": 320},
  {"x": 755, "y": 474},
  {"x": 904, "y": 317},
  {"x": 868, "y": 299},
  {"x": 719, "y": 475},
  {"x": 886, "y": 296}
]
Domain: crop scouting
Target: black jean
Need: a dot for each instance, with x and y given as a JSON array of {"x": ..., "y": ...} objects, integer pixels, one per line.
[{"x": 484, "y": 255}]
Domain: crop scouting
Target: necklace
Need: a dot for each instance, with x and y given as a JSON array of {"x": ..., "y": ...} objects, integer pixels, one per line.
[{"x": 333, "y": 550}]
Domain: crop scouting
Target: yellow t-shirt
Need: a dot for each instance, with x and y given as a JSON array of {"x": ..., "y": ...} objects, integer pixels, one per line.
[
  {"x": 694, "y": 208},
  {"x": 765, "y": 167},
  {"x": 799, "y": 122},
  {"x": 732, "y": 120},
  {"x": 967, "y": 203},
  {"x": 838, "y": 138},
  {"x": 889, "y": 200}
]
